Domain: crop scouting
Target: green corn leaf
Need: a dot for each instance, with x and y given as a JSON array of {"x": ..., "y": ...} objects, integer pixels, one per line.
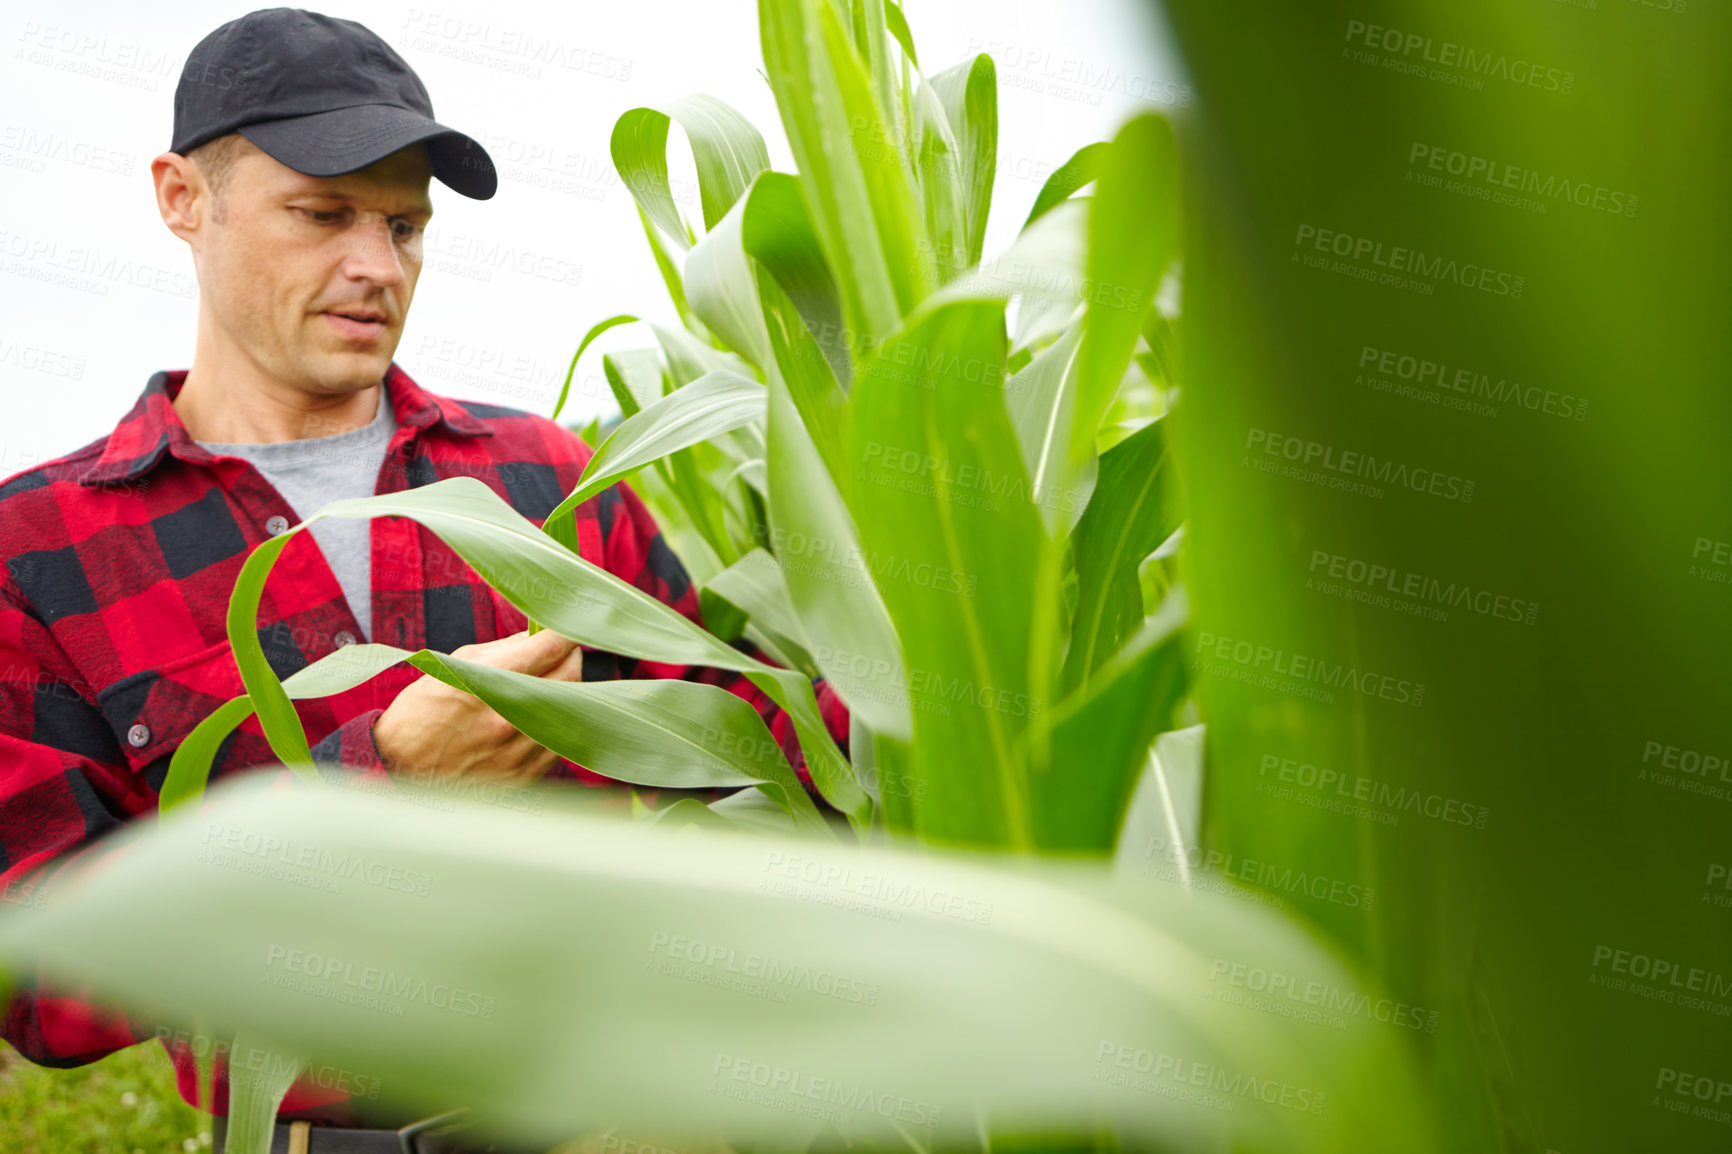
[
  {"x": 1043, "y": 268},
  {"x": 277, "y": 717},
  {"x": 723, "y": 290},
  {"x": 831, "y": 590},
  {"x": 802, "y": 368},
  {"x": 1167, "y": 805},
  {"x": 189, "y": 768},
  {"x": 749, "y": 474},
  {"x": 1010, "y": 1001},
  {"x": 898, "y": 25},
  {"x": 556, "y": 588},
  {"x": 743, "y": 491},
  {"x": 689, "y": 358},
  {"x": 686, "y": 811},
  {"x": 1133, "y": 236},
  {"x": 638, "y": 381},
  {"x": 723, "y": 405},
  {"x": 548, "y": 583},
  {"x": 667, "y": 733},
  {"x": 340, "y": 671},
  {"x": 908, "y": 75},
  {"x": 756, "y": 584},
  {"x": 1080, "y": 170},
  {"x": 639, "y": 146},
  {"x": 700, "y": 560},
  {"x": 860, "y": 194},
  {"x": 1162, "y": 348},
  {"x": 595, "y": 331},
  {"x": 941, "y": 488},
  {"x": 1042, "y": 400},
  {"x": 562, "y": 591},
  {"x": 729, "y": 152},
  {"x": 721, "y": 616},
  {"x": 670, "y": 273},
  {"x": 1127, "y": 518},
  {"x": 939, "y": 165},
  {"x": 970, "y": 95},
  {"x": 655, "y": 732},
  {"x": 259, "y": 1077},
  {"x": 753, "y": 811},
  {"x": 779, "y": 234},
  {"x": 1088, "y": 753},
  {"x": 635, "y": 376},
  {"x": 714, "y": 404},
  {"x": 874, "y": 46},
  {"x": 701, "y": 506}
]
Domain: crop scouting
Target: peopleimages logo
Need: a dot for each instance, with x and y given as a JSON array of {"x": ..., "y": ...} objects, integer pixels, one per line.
[
  {"x": 1270, "y": 876},
  {"x": 239, "y": 844},
  {"x": 897, "y": 893},
  {"x": 1327, "y": 996},
  {"x": 1115, "y": 1059},
  {"x": 1501, "y": 178},
  {"x": 1302, "y": 669},
  {"x": 842, "y": 1096},
  {"x": 1370, "y": 581},
  {"x": 1416, "y": 51},
  {"x": 1347, "y": 469},
  {"x": 1702, "y": 1087},
  {"x": 1408, "y": 262},
  {"x": 1336, "y": 785},
  {"x": 336, "y": 974},
  {"x": 762, "y": 968},
  {"x": 1662, "y": 980},
  {"x": 1440, "y": 377}
]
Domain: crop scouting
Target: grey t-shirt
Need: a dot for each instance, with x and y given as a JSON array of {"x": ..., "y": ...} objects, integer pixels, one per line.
[{"x": 313, "y": 472}]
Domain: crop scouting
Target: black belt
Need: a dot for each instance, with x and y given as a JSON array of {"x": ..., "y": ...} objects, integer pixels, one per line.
[{"x": 441, "y": 1134}]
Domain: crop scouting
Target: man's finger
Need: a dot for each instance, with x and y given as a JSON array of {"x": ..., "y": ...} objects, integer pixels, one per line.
[
  {"x": 569, "y": 669},
  {"x": 534, "y": 655}
]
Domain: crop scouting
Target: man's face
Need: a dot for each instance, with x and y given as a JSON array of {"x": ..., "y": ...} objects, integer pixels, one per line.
[{"x": 312, "y": 276}]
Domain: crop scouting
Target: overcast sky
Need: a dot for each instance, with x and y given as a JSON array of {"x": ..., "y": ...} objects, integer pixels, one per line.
[{"x": 96, "y": 294}]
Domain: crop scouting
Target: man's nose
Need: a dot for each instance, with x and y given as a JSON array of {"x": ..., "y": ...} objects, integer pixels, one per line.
[{"x": 373, "y": 255}]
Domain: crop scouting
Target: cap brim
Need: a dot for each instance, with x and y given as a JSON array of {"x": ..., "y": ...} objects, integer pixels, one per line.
[{"x": 347, "y": 139}]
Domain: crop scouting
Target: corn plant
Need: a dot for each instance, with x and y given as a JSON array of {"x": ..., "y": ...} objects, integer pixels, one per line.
[
  {"x": 869, "y": 475},
  {"x": 934, "y": 479}
]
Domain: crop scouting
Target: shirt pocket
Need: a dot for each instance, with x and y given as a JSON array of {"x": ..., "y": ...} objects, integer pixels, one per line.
[{"x": 152, "y": 711}]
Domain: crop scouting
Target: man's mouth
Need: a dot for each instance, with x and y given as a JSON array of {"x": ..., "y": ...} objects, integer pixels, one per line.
[{"x": 359, "y": 324}]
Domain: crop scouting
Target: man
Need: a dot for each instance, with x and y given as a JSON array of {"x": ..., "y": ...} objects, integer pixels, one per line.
[{"x": 299, "y": 178}]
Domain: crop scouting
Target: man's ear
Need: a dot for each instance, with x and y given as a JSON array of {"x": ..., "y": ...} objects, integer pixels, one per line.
[{"x": 182, "y": 197}]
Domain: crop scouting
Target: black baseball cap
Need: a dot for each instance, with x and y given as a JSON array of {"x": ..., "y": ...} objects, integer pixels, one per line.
[{"x": 321, "y": 95}]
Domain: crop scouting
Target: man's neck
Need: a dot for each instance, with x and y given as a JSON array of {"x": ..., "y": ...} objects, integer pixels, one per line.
[{"x": 242, "y": 405}]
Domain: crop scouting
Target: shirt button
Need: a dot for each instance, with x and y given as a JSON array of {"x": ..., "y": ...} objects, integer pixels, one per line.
[
  {"x": 343, "y": 637},
  {"x": 138, "y": 736},
  {"x": 276, "y": 525}
]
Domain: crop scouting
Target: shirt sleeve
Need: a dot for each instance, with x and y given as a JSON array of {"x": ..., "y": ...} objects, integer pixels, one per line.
[
  {"x": 352, "y": 747},
  {"x": 64, "y": 786},
  {"x": 637, "y": 553}
]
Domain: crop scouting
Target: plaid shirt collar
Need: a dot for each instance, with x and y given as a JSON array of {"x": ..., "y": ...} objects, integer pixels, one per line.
[{"x": 153, "y": 427}]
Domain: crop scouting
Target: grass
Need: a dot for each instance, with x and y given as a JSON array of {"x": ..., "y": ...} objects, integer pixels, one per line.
[{"x": 126, "y": 1102}]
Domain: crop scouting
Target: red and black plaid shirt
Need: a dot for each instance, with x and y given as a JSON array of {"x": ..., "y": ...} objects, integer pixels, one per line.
[{"x": 119, "y": 560}]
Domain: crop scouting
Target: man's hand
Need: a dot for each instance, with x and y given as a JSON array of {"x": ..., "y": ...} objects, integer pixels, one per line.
[{"x": 434, "y": 731}]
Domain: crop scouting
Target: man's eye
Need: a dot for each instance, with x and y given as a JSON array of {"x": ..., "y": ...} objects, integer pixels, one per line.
[
  {"x": 404, "y": 229},
  {"x": 319, "y": 216}
]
